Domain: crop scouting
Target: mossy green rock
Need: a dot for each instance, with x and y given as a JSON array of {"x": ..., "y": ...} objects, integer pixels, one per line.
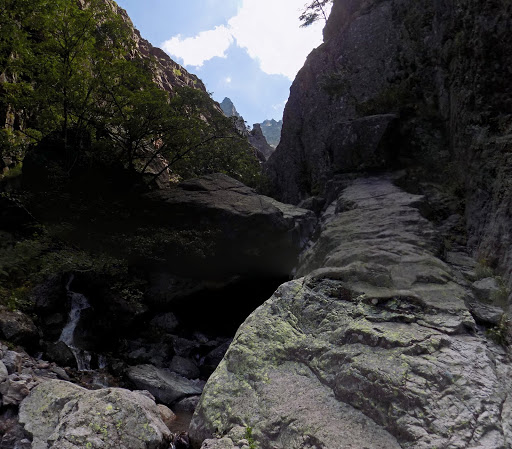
[
  {"x": 61, "y": 415},
  {"x": 373, "y": 348}
]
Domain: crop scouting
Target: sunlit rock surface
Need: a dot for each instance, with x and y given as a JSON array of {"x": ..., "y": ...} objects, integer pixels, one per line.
[{"x": 374, "y": 347}]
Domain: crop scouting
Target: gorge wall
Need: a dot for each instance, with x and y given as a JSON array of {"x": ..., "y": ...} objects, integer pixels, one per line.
[
  {"x": 409, "y": 84},
  {"x": 397, "y": 133}
]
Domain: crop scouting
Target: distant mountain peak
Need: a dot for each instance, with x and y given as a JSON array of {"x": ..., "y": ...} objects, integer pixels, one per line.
[
  {"x": 228, "y": 108},
  {"x": 271, "y": 129}
]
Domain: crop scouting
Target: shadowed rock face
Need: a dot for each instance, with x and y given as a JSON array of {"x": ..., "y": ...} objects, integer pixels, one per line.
[
  {"x": 374, "y": 347},
  {"x": 255, "y": 234},
  {"x": 442, "y": 67},
  {"x": 258, "y": 141}
]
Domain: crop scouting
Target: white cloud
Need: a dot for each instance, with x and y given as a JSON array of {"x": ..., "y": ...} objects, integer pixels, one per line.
[
  {"x": 228, "y": 80},
  {"x": 269, "y": 30},
  {"x": 206, "y": 45}
]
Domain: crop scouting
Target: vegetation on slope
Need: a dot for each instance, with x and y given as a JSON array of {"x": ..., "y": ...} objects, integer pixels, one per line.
[{"x": 69, "y": 79}]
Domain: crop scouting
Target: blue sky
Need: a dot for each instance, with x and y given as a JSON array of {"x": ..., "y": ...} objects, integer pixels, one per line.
[{"x": 247, "y": 50}]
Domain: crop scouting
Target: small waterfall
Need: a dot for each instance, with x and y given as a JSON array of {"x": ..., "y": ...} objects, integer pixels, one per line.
[
  {"x": 78, "y": 303},
  {"x": 102, "y": 361}
]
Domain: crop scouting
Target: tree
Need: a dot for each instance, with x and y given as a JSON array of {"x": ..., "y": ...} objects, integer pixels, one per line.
[
  {"x": 76, "y": 41},
  {"x": 85, "y": 94},
  {"x": 314, "y": 11},
  {"x": 132, "y": 110},
  {"x": 199, "y": 139}
]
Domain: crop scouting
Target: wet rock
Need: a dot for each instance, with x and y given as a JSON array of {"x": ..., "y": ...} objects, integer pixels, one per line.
[
  {"x": 187, "y": 405},
  {"x": 182, "y": 441},
  {"x": 60, "y": 353},
  {"x": 166, "y": 386},
  {"x": 61, "y": 415},
  {"x": 184, "y": 367}
]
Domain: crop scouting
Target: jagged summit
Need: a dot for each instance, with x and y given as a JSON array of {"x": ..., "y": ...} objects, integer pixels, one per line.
[
  {"x": 272, "y": 131},
  {"x": 228, "y": 108}
]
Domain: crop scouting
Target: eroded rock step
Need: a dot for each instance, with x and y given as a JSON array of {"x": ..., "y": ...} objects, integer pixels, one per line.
[{"x": 371, "y": 346}]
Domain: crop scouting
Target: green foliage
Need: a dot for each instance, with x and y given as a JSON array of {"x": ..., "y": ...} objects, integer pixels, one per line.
[
  {"x": 483, "y": 269},
  {"x": 249, "y": 437},
  {"x": 26, "y": 262},
  {"x": 67, "y": 76},
  {"x": 500, "y": 332},
  {"x": 313, "y": 12},
  {"x": 13, "y": 172}
]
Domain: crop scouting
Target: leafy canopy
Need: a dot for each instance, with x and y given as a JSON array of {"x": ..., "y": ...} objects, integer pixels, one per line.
[{"x": 70, "y": 73}]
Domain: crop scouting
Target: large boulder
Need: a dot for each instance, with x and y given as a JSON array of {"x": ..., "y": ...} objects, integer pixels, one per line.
[
  {"x": 18, "y": 328},
  {"x": 245, "y": 233},
  {"x": 167, "y": 386},
  {"x": 372, "y": 347},
  {"x": 61, "y": 415}
]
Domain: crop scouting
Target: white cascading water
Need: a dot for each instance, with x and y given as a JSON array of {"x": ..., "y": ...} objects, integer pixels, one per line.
[{"x": 78, "y": 303}]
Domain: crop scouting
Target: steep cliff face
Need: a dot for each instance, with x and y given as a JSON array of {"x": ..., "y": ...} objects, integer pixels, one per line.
[
  {"x": 228, "y": 108},
  {"x": 167, "y": 73},
  {"x": 442, "y": 69},
  {"x": 258, "y": 141}
]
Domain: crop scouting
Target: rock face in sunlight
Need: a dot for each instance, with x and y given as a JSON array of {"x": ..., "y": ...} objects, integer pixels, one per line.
[
  {"x": 228, "y": 108},
  {"x": 388, "y": 266},
  {"x": 375, "y": 347},
  {"x": 441, "y": 68},
  {"x": 272, "y": 131},
  {"x": 397, "y": 132},
  {"x": 167, "y": 73}
]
